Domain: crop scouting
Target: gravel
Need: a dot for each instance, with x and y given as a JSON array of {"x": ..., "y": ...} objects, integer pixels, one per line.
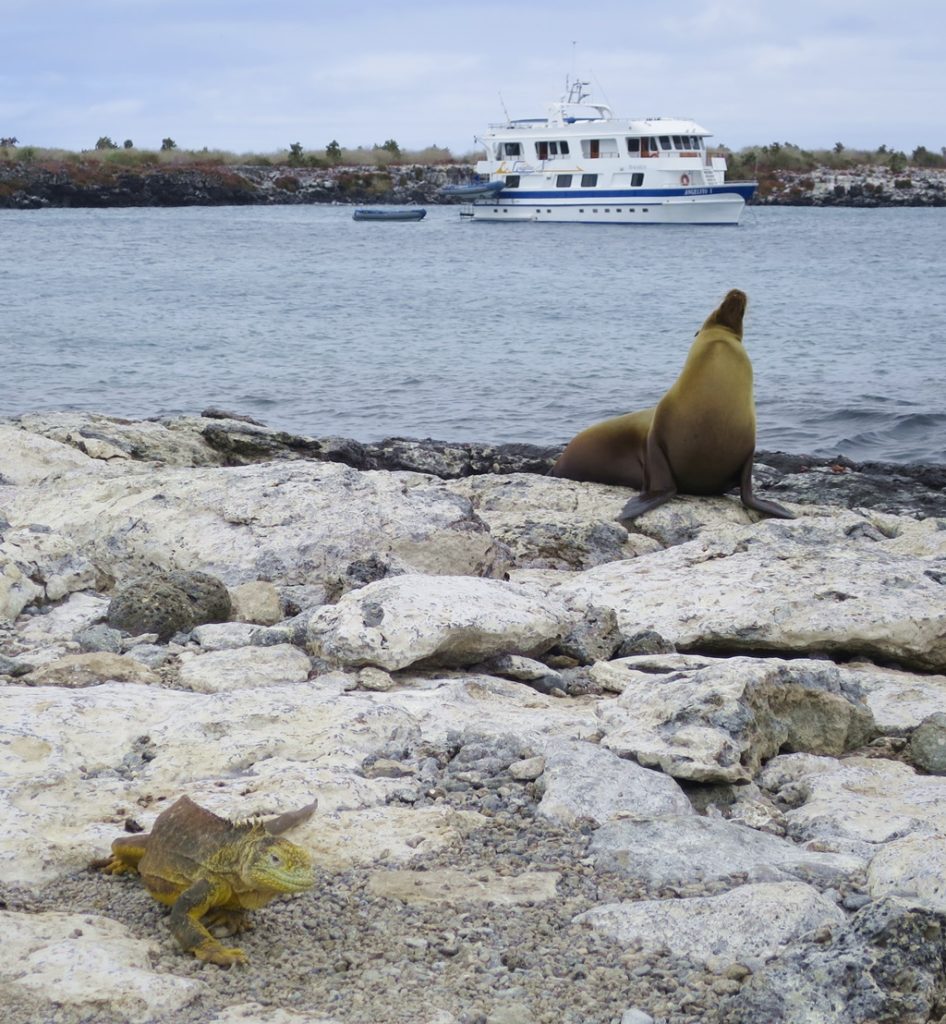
[{"x": 342, "y": 952}]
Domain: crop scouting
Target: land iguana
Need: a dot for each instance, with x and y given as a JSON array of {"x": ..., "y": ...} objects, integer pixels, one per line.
[{"x": 211, "y": 871}]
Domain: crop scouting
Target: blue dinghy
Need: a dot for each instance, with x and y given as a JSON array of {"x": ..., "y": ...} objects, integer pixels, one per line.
[{"x": 417, "y": 214}]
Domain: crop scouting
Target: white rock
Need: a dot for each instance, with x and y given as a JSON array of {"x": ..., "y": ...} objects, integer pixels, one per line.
[
  {"x": 528, "y": 769},
  {"x": 855, "y": 802},
  {"x": 397, "y": 622},
  {"x": 176, "y": 441},
  {"x": 16, "y": 589},
  {"x": 898, "y": 700},
  {"x": 584, "y": 781},
  {"x": 295, "y": 523},
  {"x": 681, "y": 851},
  {"x": 736, "y": 713},
  {"x": 27, "y": 458},
  {"x": 547, "y": 522},
  {"x": 914, "y": 869},
  {"x": 243, "y": 668},
  {"x": 73, "y": 763},
  {"x": 91, "y": 669},
  {"x": 750, "y": 921},
  {"x": 49, "y": 558},
  {"x": 256, "y": 601},
  {"x": 341, "y": 839},
  {"x": 65, "y": 620},
  {"x": 222, "y": 636},
  {"x": 88, "y": 963},
  {"x": 375, "y": 679},
  {"x": 802, "y": 585}
]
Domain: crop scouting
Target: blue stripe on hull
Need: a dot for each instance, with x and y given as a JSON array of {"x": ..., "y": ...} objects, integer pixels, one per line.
[{"x": 572, "y": 197}]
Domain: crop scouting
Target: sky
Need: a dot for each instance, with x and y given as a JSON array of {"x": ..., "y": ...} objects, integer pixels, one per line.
[{"x": 256, "y": 77}]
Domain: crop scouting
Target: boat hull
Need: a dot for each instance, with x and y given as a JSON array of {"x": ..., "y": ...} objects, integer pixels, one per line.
[{"x": 713, "y": 205}]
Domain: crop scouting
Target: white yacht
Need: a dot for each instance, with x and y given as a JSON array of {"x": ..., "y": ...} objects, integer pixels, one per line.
[{"x": 581, "y": 164}]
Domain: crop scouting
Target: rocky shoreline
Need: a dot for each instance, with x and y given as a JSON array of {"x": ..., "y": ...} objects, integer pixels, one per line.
[
  {"x": 36, "y": 186},
  {"x": 567, "y": 773}
]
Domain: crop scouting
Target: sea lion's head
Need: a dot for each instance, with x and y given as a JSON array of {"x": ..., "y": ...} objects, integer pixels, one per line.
[{"x": 730, "y": 312}]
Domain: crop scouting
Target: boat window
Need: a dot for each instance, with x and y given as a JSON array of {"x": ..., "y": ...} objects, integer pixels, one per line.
[
  {"x": 512, "y": 149},
  {"x": 653, "y": 146},
  {"x": 637, "y": 180},
  {"x": 678, "y": 142},
  {"x": 563, "y": 146},
  {"x": 589, "y": 180},
  {"x": 542, "y": 150},
  {"x": 633, "y": 145},
  {"x": 563, "y": 181},
  {"x": 594, "y": 148},
  {"x": 665, "y": 142},
  {"x": 512, "y": 181}
]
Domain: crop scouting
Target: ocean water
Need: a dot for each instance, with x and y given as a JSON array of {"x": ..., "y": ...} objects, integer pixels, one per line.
[{"x": 316, "y": 324}]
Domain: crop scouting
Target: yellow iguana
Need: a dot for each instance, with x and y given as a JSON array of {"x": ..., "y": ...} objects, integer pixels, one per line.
[{"x": 211, "y": 871}]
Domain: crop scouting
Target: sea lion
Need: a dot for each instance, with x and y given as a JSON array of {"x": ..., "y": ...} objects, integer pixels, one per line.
[
  {"x": 611, "y": 452},
  {"x": 702, "y": 435}
]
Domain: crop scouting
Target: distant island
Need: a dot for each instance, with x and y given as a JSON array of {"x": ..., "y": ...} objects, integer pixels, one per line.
[{"x": 113, "y": 176}]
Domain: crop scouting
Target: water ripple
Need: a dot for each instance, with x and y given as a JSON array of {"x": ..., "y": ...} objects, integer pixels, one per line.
[{"x": 464, "y": 331}]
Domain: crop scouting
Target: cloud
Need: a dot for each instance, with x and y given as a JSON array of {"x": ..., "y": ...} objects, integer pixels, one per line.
[{"x": 239, "y": 75}]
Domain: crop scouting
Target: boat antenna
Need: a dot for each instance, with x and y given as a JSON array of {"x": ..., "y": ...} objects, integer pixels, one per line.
[
  {"x": 502, "y": 103},
  {"x": 601, "y": 90}
]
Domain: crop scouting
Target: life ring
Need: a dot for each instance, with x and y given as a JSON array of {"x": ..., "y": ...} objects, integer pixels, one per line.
[{"x": 684, "y": 179}]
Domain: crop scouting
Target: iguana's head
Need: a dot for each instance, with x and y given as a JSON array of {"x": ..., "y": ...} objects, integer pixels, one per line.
[{"x": 275, "y": 865}]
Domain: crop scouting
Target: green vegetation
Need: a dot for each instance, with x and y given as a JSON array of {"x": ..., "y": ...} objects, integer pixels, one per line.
[
  {"x": 750, "y": 162},
  {"x": 759, "y": 161}
]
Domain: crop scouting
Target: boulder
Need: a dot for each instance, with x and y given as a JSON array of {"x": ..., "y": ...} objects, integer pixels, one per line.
[
  {"x": 91, "y": 669},
  {"x": 294, "y": 524},
  {"x": 718, "y": 720},
  {"x": 88, "y": 964},
  {"x": 243, "y": 668},
  {"x": 855, "y": 803},
  {"x": 813, "y": 584},
  {"x": 912, "y": 869},
  {"x": 584, "y": 782},
  {"x": 395, "y": 623},
  {"x": 886, "y": 965},
  {"x": 750, "y": 922},
  {"x": 681, "y": 851}
]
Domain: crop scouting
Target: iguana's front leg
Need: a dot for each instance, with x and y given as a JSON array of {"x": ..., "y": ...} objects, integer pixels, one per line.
[
  {"x": 227, "y": 922},
  {"x": 127, "y": 851},
  {"x": 187, "y": 928}
]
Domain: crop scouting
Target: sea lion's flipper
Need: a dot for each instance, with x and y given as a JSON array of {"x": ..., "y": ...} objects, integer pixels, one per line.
[
  {"x": 769, "y": 508},
  {"x": 659, "y": 485},
  {"x": 644, "y": 503}
]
